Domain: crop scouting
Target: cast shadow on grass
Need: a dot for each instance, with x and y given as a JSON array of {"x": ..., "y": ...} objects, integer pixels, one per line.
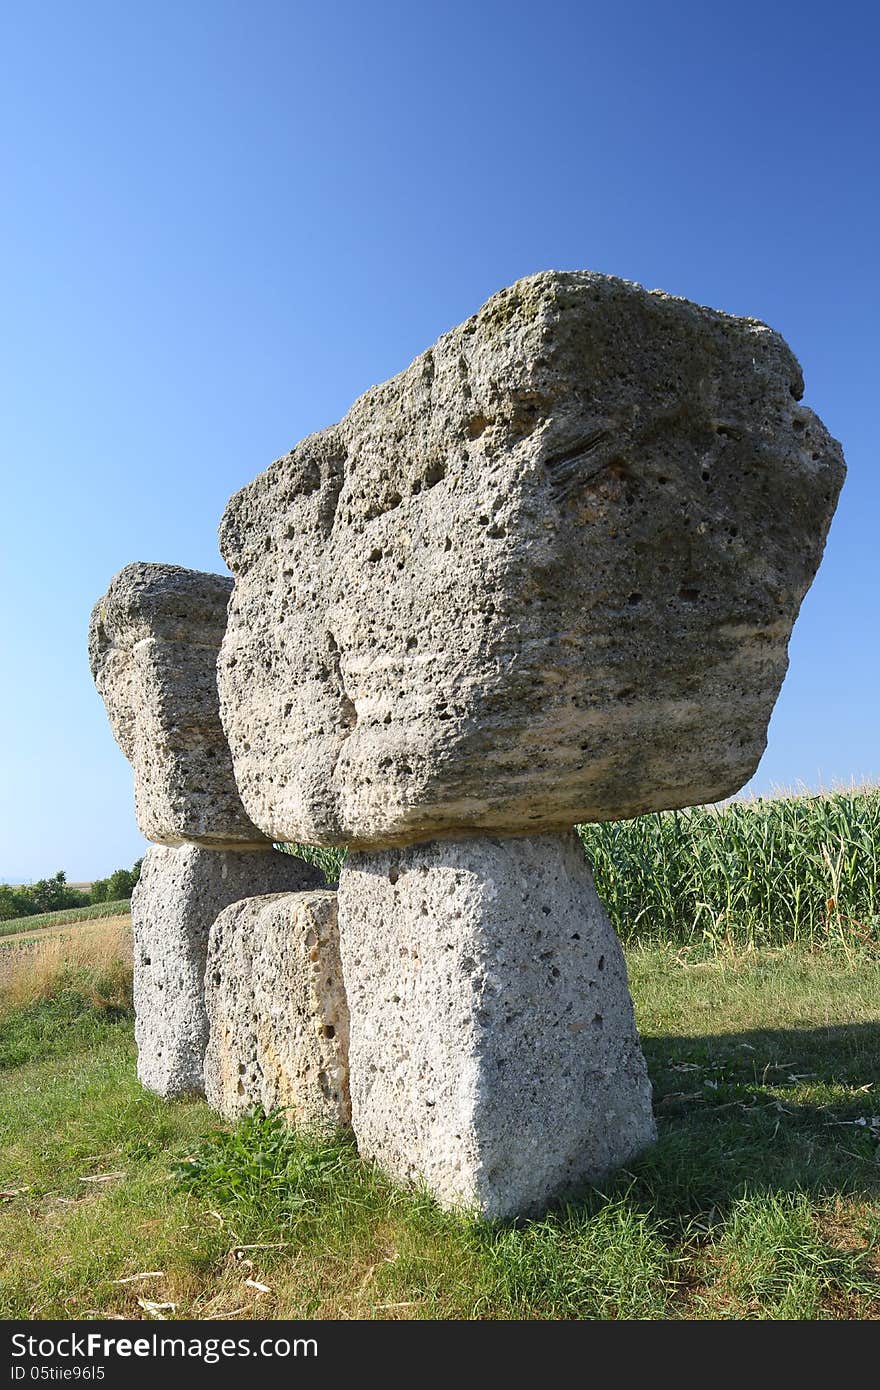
[
  {"x": 772, "y": 1112},
  {"x": 756, "y": 1129},
  {"x": 787, "y": 1110}
]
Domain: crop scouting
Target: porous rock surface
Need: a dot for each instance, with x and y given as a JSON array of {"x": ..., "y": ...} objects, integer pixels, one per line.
[
  {"x": 493, "y": 1051},
  {"x": 278, "y": 1019},
  {"x": 153, "y": 643},
  {"x": 545, "y": 575},
  {"x": 179, "y": 894}
]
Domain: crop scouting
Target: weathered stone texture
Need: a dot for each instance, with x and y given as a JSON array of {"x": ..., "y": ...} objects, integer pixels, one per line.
[
  {"x": 546, "y": 575},
  {"x": 180, "y": 893},
  {"x": 493, "y": 1051},
  {"x": 277, "y": 1011},
  {"x": 153, "y": 643}
]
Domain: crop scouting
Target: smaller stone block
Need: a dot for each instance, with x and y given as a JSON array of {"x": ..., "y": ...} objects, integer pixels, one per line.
[
  {"x": 180, "y": 893},
  {"x": 277, "y": 1011}
]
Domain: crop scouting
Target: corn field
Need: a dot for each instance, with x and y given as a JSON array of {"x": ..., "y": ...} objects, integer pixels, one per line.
[
  {"x": 763, "y": 872},
  {"x": 749, "y": 873}
]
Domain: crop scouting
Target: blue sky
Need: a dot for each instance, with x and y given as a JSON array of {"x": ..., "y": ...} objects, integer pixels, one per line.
[{"x": 223, "y": 221}]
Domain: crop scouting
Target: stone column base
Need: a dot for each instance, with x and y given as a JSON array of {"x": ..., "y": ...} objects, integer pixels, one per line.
[
  {"x": 180, "y": 893},
  {"x": 494, "y": 1056}
]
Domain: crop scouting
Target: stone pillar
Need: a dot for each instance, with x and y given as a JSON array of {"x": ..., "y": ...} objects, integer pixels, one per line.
[
  {"x": 153, "y": 643},
  {"x": 277, "y": 1011},
  {"x": 493, "y": 1053},
  {"x": 180, "y": 893}
]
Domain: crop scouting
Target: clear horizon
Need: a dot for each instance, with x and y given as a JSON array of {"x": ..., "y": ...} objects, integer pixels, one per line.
[{"x": 224, "y": 223}]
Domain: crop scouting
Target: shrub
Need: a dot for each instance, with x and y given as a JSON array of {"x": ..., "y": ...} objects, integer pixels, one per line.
[
  {"x": 119, "y": 885},
  {"x": 13, "y": 903}
]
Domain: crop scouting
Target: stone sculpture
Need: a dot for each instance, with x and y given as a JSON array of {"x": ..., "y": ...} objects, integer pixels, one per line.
[
  {"x": 153, "y": 642},
  {"x": 545, "y": 575},
  {"x": 494, "y": 1053}
]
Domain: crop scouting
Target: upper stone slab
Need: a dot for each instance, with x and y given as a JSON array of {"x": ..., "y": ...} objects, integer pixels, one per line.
[
  {"x": 546, "y": 575},
  {"x": 153, "y": 643}
]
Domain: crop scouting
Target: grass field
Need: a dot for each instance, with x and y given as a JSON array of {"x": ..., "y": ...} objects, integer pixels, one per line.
[
  {"x": 30, "y": 965},
  {"x": 761, "y": 1199},
  {"x": 14, "y": 925}
]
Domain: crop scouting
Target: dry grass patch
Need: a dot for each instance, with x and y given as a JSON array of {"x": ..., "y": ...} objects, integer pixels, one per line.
[{"x": 99, "y": 954}]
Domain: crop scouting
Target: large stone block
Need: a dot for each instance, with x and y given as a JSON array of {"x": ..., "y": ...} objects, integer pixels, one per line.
[
  {"x": 493, "y": 1052},
  {"x": 153, "y": 643},
  {"x": 277, "y": 1011},
  {"x": 546, "y": 575},
  {"x": 180, "y": 893}
]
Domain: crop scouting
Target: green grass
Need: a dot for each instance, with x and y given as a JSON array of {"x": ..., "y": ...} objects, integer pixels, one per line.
[
  {"x": 761, "y": 1199},
  {"x": 82, "y": 1003},
  {"x": 92, "y": 913},
  {"x": 52, "y": 1028},
  {"x": 329, "y": 861},
  {"x": 754, "y": 873}
]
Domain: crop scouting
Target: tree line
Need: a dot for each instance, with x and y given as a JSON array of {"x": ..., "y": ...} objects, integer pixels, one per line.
[{"x": 55, "y": 894}]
